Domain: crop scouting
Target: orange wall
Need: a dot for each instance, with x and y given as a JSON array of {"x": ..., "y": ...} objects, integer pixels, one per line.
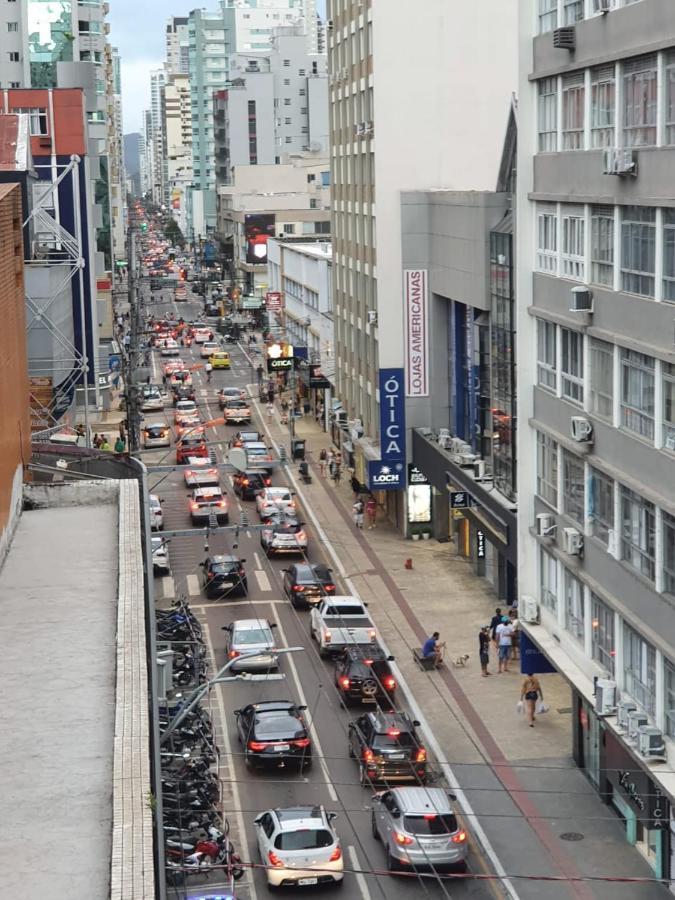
[
  {"x": 68, "y": 131},
  {"x": 14, "y": 415}
]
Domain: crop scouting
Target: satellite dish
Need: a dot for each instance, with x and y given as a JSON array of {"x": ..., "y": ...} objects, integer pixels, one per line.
[{"x": 237, "y": 457}]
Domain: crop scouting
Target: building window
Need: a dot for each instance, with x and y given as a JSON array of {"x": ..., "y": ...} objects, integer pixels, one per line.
[
  {"x": 287, "y": 120},
  {"x": 670, "y": 97},
  {"x": 289, "y": 229},
  {"x": 637, "y": 532},
  {"x": 637, "y": 393},
  {"x": 669, "y": 555},
  {"x": 574, "y": 606},
  {"x": 547, "y": 469},
  {"x": 547, "y": 113},
  {"x": 669, "y": 254},
  {"x": 669, "y": 679},
  {"x": 603, "y": 102},
  {"x": 547, "y": 240},
  {"x": 13, "y": 56},
  {"x": 639, "y": 669},
  {"x": 313, "y": 204},
  {"x": 602, "y": 245},
  {"x": 546, "y": 355},
  {"x": 572, "y": 365},
  {"x": 668, "y": 385},
  {"x": 38, "y": 123},
  {"x": 638, "y": 250},
  {"x": 573, "y": 487},
  {"x": 573, "y": 11},
  {"x": 287, "y": 62},
  {"x": 602, "y": 623},
  {"x": 287, "y": 101},
  {"x": 548, "y": 580},
  {"x": 12, "y": 26},
  {"x": 573, "y": 111},
  {"x": 287, "y": 81},
  {"x": 602, "y": 378},
  {"x": 573, "y": 249},
  {"x": 639, "y": 102},
  {"x": 548, "y": 15},
  {"x": 601, "y": 506}
]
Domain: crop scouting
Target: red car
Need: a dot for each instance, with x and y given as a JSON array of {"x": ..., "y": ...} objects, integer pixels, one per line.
[{"x": 192, "y": 445}]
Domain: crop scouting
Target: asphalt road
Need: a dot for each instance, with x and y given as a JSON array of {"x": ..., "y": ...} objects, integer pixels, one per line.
[{"x": 333, "y": 779}]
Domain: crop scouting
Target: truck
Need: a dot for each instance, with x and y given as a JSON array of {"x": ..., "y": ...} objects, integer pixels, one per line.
[{"x": 339, "y": 622}]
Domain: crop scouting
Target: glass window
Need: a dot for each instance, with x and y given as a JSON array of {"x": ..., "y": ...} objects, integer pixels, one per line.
[
  {"x": 639, "y": 102},
  {"x": 503, "y": 363},
  {"x": 38, "y": 123},
  {"x": 669, "y": 554},
  {"x": 574, "y": 606},
  {"x": 670, "y": 97},
  {"x": 547, "y": 469},
  {"x": 572, "y": 365},
  {"x": 547, "y": 112},
  {"x": 602, "y": 245},
  {"x": 602, "y": 378},
  {"x": 669, "y": 254},
  {"x": 573, "y": 250},
  {"x": 601, "y": 505},
  {"x": 547, "y": 239},
  {"x": 668, "y": 370},
  {"x": 603, "y": 633},
  {"x": 546, "y": 354},
  {"x": 573, "y": 11},
  {"x": 637, "y": 532},
  {"x": 548, "y": 578},
  {"x": 573, "y": 111},
  {"x": 669, "y": 680},
  {"x": 548, "y": 15},
  {"x": 603, "y": 100},
  {"x": 639, "y": 669},
  {"x": 637, "y": 393},
  {"x": 573, "y": 486},
  {"x": 638, "y": 250}
]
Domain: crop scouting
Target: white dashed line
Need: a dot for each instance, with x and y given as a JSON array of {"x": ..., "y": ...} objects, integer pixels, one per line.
[
  {"x": 168, "y": 587},
  {"x": 263, "y": 580},
  {"x": 193, "y": 585}
]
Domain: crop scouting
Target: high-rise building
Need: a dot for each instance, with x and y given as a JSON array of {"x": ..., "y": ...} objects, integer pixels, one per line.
[
  {"x": 14, "y": 57},
  {"x": 157, "y": 158},
  {"x": 596, "y": 386},
  {"x": 178, "y": 145},
  {"x": 177, "y": 46},
  {"x": 116, "y": 153}
]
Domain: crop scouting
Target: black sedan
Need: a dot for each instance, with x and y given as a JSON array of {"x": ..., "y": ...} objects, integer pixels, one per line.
[
  {"x": 223, "y": 576},
  {"x": 247, "y": 484},
  {"x": 306, "y": 585},
  {"x": 274, "y": 733}
]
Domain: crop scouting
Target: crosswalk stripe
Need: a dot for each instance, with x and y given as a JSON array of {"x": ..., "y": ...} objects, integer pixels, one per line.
[
  {"x": 193, "y": 585},
  {"x": 168, "y": 587},
  {"x": 263, "y": 580}
]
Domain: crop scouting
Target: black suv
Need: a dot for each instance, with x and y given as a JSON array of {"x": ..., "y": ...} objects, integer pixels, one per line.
[
  {"x": 223, "y": 576},
  {"x": 247, "y": 484},
  {"x": 387, "y": 748},
  {"x": 362, "y": 675}
]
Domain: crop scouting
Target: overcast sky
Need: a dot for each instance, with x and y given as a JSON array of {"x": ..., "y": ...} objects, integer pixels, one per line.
[{"x": 137, "y": 29}]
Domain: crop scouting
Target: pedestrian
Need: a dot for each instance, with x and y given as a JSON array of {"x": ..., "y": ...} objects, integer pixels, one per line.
[
  {"x": 79, "y": 431},
  {"x": 494, "y": 621},
  {"x": 484, "y": 649},
  {"x": 259, "y": 370},
  {"x": 357, "y": 509},
  {"x": 504, "y": 632},
  {"x": 371, "y": 512},
  {"x": 337, "y": 471},
  {"x": 323, "y": 461},
  {"x": 208, "y": 368},
  {"x": 104, "y": 445},
  {"x": 270, "y": 412},
  {"x": 98, "y": 440},
  {"x": 530, "y": 692},
  {"x": 270, "y": 394},
  {"x": 120, "y": 445},
  {"x": 433, "y": 647},
  {"x": 355, "y": 483}
]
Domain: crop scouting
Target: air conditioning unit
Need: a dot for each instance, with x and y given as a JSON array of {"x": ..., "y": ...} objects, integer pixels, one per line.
[
  {"x": 456, "y": 446},
  {"x": 479, "y": 469},
  {"x": 605, "y": 697},
  {"x": 528, "y": 609},
  {"x": 581, "y": 299},
  {"x": 565, "y": 38},
  {"x": 467, "y": 458},
  {"x": 623, "y": 710},
  {"x": 669, "y": 443},
  {"x": 371, "y": 317},
  {"x": 582, "y": 430},
  {"x": 572, "y": 541},
  {"x": 619, "y": 161},
  {"x": 341, "y": 417},
  {"x": 650, "y": 742},
  {"x": 636, "y": 719},
  {"x": 545, "y": 524},
  {"x": 602, "y": 6}
]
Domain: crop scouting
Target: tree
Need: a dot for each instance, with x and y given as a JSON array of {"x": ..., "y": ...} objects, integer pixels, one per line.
[{"x": 173, "y": 233}]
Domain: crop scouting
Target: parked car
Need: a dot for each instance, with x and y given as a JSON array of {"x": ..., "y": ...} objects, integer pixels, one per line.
[
  {"x": 387, "y": 748},
  {"x": 223, "y": 576},
  {"x": 418, "y": 828},
  {"x": 204, "y": 502},
  {"x": 305, "y": 584},
  {"x": 274, "y": 733},
  {"x": 247, "y": 484},
  {"x": 251, "y": 636},
  {"x": 160, "y": 556},
  {"x": 363, "y": 675},
  {"x": 156, "y": 512}
]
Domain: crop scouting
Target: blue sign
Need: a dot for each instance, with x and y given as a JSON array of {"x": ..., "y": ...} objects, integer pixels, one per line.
[
  {"x": 392, "y": 416},
  {"x": 386, "y": 476},
  {"x": 532, "y": 660}
]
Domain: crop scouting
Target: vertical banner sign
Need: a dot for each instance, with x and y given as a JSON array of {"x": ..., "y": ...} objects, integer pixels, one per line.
[
  {"x": 416, "y": 332},
  {"x": 392, "y": 415}
]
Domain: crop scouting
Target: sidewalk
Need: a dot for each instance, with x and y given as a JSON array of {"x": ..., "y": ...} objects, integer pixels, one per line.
[{"x": 538, "y": 811}]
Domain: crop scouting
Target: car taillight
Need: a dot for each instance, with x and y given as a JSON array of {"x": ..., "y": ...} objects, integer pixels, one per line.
[
  {"x": 189, "y": 473},
  {"x": 245, "y": 481},
  {"x": 389, "y": 683},
  {"x": 328, "y": 588},
  {"x": 274, "y": 859},
  {"x": 242, "y": 572},
  {"x": 421, "y": 755},
  {"x": 344, "y": 682},
  {"x": 210, "y": 575},
  {"x": 298, "y": 587},
  {"x": 194, "y": 505},
  {"x": 301, "y": 536},
  {"x": 368, "y": 755},
  {"x": 402, "y": 839},
  {"x": 233, "y": 654},
  {"x": 268, "y": 481},
  {"x": 393, "y": 732},
  {"x": 459, "y": 838},
  {"x": 222, "y": 503},
  {"x": 256, "y": 745},
  {"x": 327, "y": 637},
  {"x": 372, "y": 634},
  {"x": 291, "y": 505},
  {"x": 336, "y": 854},
  {"x": 302, "y": 742}
]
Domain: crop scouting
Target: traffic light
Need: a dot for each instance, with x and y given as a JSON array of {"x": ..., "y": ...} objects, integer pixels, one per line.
[{"x": 144, "y": 227}]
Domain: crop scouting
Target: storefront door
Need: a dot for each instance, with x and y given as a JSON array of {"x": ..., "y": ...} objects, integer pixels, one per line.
[{"x": 590, "y": 734}]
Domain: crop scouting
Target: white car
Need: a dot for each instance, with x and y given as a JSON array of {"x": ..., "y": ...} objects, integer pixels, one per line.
[
  {"x": 156, "y": 513},
  {"x": 160, "y": 556},
  {"x": 201, "y": 335},
  {"x": 156, "y": 434},
  {"x": 274, "y": 499},
  {"x": 152, "y": 399},
  {"x": 247, "y": 635},
  {"x": 201, "y": 473},
  {"x": 299, "y": 847},
  {"x": 170, "y": 348},
  {"x": 208, "y": 348}
]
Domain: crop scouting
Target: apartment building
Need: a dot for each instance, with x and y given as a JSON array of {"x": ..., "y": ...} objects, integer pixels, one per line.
[
  {"x": 177, "y": 46},
  {"x": 14, "y": 58},
  {"x": 596, "y": 387},
  {"x": 178, "y": 145},
  {"x": 158, "y": 167}
]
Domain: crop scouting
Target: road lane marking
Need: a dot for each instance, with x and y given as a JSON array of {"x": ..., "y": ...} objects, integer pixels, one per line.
[
  {"x": 193, "y": 585},
  {"x": 303, "y": 700},
  {"x": 217, "y": 603},
  {"x": 168, "y": 587},
  {"x": 360, "y": 878},
  {"x": 232, "y": 784},
  {"x": 257, "y": 560},
  {"x": 263, "y": 580}
]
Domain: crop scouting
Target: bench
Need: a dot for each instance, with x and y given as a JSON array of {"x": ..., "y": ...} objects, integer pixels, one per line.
[{"x": 426, "y": 663}]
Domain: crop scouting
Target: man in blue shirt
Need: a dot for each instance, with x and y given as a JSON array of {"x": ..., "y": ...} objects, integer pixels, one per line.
[{"x": 433, "y": 647}]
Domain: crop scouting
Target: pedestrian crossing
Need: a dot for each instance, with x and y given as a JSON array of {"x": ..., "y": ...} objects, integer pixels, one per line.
[{"x": 169, "y": 587}]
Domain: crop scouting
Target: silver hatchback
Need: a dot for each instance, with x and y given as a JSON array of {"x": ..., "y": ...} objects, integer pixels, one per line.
[
  {"x": 253, "y": 640},
  {"x": 419, "y": 829}
]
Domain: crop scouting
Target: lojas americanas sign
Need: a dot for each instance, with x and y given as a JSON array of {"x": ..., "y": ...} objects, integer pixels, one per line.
[{"x": 415, "y": 296}]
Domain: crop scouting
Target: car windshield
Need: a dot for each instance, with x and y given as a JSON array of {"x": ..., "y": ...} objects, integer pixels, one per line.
[
  {"x": 278, "y": 725},
  {"x": 345, "y": 611},
  {"x": 209, "y": 498},
  {"x": 155, "y": 429},
  {"x": 393, "y": 741},
  {"x": 223, "y": 568},
  {"x": 236, "y": 404},
  {"x": 303, "y": 839},
  {"x": 430, "y": 824},
  {"x": 276, "y": 496},
  {"x": 253, "y": 636}
]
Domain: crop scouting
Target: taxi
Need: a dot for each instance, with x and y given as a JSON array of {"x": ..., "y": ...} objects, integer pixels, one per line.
[{"x": 220, "y": 360}]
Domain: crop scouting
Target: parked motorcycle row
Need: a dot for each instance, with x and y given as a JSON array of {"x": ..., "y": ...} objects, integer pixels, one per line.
[{"x": 195, "y": 831}]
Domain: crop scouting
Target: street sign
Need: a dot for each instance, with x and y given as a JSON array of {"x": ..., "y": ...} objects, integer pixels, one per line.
[
  {"x": 460, "y": 500},
  {"x": 480, "y": 544},
  {"x": 280, "y": 365}
]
